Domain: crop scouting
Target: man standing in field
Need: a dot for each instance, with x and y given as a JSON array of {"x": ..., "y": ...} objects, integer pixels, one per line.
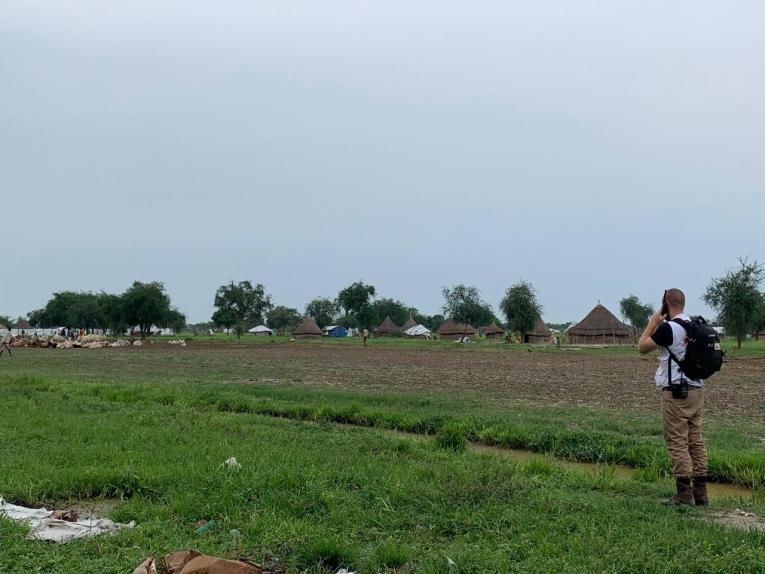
[{"x": 681, "y": 415}]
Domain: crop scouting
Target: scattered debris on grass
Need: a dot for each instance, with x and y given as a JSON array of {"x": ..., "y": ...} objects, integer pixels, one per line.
[
  {"x": 175, "y": 561},
  {"x": 58, "y": 525},
  {"x": 231, "y": 464},
  {"x": 194, "y": 562},
  {"x": 148, "y": 566},
  {"x": 204, "y": 527},
  {"x": 738, "y": 519}
]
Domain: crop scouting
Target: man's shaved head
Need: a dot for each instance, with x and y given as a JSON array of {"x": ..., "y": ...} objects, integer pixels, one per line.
[{"x": 676, "y": 299}]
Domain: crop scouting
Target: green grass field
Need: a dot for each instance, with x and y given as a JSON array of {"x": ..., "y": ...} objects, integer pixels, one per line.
[{"x": 325, "y": 483}]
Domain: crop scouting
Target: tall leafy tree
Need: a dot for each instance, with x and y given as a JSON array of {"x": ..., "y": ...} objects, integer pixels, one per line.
[
  {"x": 355, "y": 301},
  {"x": 86, "y": 312},
  {"x": 5, "y": 322},
  {"x": 113, "y": 313},
  {"x": 70, "y": 309},
  {"x": 239, "y": 305},
  {"x": 281, "y": 317},
  {"x": 145, "y": 304},
  {"x": 323, "y": 310},
  {"x": 759, "y": 317},
  {"x": 173, "y": 319},
  {"x": 636, "y": 312},
  {"x": 465, "y": 305},
  {"x": 521, "y": 307},
  {"x": 56, "y": 312},
  {"x": 737, "y": 298}
]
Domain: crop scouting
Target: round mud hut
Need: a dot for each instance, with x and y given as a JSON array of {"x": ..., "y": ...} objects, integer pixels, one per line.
[
  {"x": 453, "y": 331},
  {"x": 387, "y": 328},
  {"x": 600, "y": 327},
  {"x": 410, "y": 322},
  {"x": 540, "y": 335},
  {"x": 494, "y": 331},
  {"x": 308, "y": 329}
]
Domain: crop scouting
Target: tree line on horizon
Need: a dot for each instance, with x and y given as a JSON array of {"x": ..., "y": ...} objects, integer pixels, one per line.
[{"x": 736, "y": 296}]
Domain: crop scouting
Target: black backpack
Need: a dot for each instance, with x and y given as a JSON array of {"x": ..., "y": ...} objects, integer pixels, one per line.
[{"x": 703, "y": 356}]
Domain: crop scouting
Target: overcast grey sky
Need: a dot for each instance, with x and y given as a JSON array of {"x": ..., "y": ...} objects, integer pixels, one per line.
[{"x": 596, "y": 149}]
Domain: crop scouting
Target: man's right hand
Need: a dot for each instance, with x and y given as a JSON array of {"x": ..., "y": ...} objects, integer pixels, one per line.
[
  {"x": 657, "y": 319},
  {"x": 646, "y": 344}
]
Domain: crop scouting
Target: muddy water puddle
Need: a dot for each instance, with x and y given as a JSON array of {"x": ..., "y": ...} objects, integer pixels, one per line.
[{"x": 716, "y": 490}]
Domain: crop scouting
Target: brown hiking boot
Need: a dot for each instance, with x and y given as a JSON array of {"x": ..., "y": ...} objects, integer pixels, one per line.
[
  {"x": 684, "y": 493},
  {"x": 700, "y": 491}
]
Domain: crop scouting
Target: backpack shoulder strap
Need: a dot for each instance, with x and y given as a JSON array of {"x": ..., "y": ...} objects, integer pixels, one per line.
[{"x": 672, "y": 357}]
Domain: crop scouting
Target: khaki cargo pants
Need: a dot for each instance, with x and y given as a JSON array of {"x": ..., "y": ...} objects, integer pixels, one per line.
[{"x": 681, "y": 420}]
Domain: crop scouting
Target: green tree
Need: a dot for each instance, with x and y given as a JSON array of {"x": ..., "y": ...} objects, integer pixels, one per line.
[
  {"x": 737, "y": 298},
  {"x": 70, "y": 309},
  {"x": 239, "y": 305},
  {"x": 281, "y": 317},
  {"x": 173, "y": 319},
  {"x": 465, "y": 305},
  {"x": 56, "y": 311},
  {"x": 5, "y": 322},
  {"x": 145, "y": 304},
  {"x": 355, "y": 301},
  {"x": 86, "y": 312},
  {"x": 521, "y": 308},
  {"x": 636, "y": 312},
  {"x": 113, "y": 313},
  {"x": 759, "y": 317},
  {"x": 323, "y": 310}
]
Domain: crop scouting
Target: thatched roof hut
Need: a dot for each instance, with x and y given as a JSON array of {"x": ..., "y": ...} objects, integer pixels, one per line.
[
  {"x": 600, "y": 326},
  {"x": 308, "y": 329},
  {"x": 23, "y": 324},
  {"x": 541, "y": 333},
  {"x": 451, "y": 330},
  {"x": 493, "y": 331},
  {"x": 410, "y": 322},
  {"x": 387, "y": 328}
]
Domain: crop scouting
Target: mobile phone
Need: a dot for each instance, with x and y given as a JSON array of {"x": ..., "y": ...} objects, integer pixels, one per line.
[{"x": 664, "y": 306}]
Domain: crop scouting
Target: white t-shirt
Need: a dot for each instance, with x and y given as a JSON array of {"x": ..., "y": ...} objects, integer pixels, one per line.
[{"x": 670, "y": 334}]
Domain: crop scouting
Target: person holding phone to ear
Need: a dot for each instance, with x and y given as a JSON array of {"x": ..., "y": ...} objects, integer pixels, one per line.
[{"x": 682, "y": 400}]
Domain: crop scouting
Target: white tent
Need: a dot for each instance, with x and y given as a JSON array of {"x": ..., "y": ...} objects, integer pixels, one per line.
[
  {"x": 418, "y": 331},
  {"x": 261, "y": 330}
]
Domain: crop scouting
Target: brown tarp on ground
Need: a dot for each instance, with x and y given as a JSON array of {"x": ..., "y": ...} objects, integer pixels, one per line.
[
  {"x": 212, "y": 565},
  {"x": 193, "y": 562}
]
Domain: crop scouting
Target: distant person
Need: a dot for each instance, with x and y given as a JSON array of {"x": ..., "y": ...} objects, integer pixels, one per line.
[
  {"x": 682, "y": 400},
  {"x": 365, "y": 336}
]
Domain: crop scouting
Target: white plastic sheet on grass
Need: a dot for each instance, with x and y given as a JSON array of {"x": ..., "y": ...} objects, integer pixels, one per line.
[{"x": 43, "y": 527}]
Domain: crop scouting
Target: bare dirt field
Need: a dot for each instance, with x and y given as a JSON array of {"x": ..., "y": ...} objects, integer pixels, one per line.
[{"x": 592, "y": 378}]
